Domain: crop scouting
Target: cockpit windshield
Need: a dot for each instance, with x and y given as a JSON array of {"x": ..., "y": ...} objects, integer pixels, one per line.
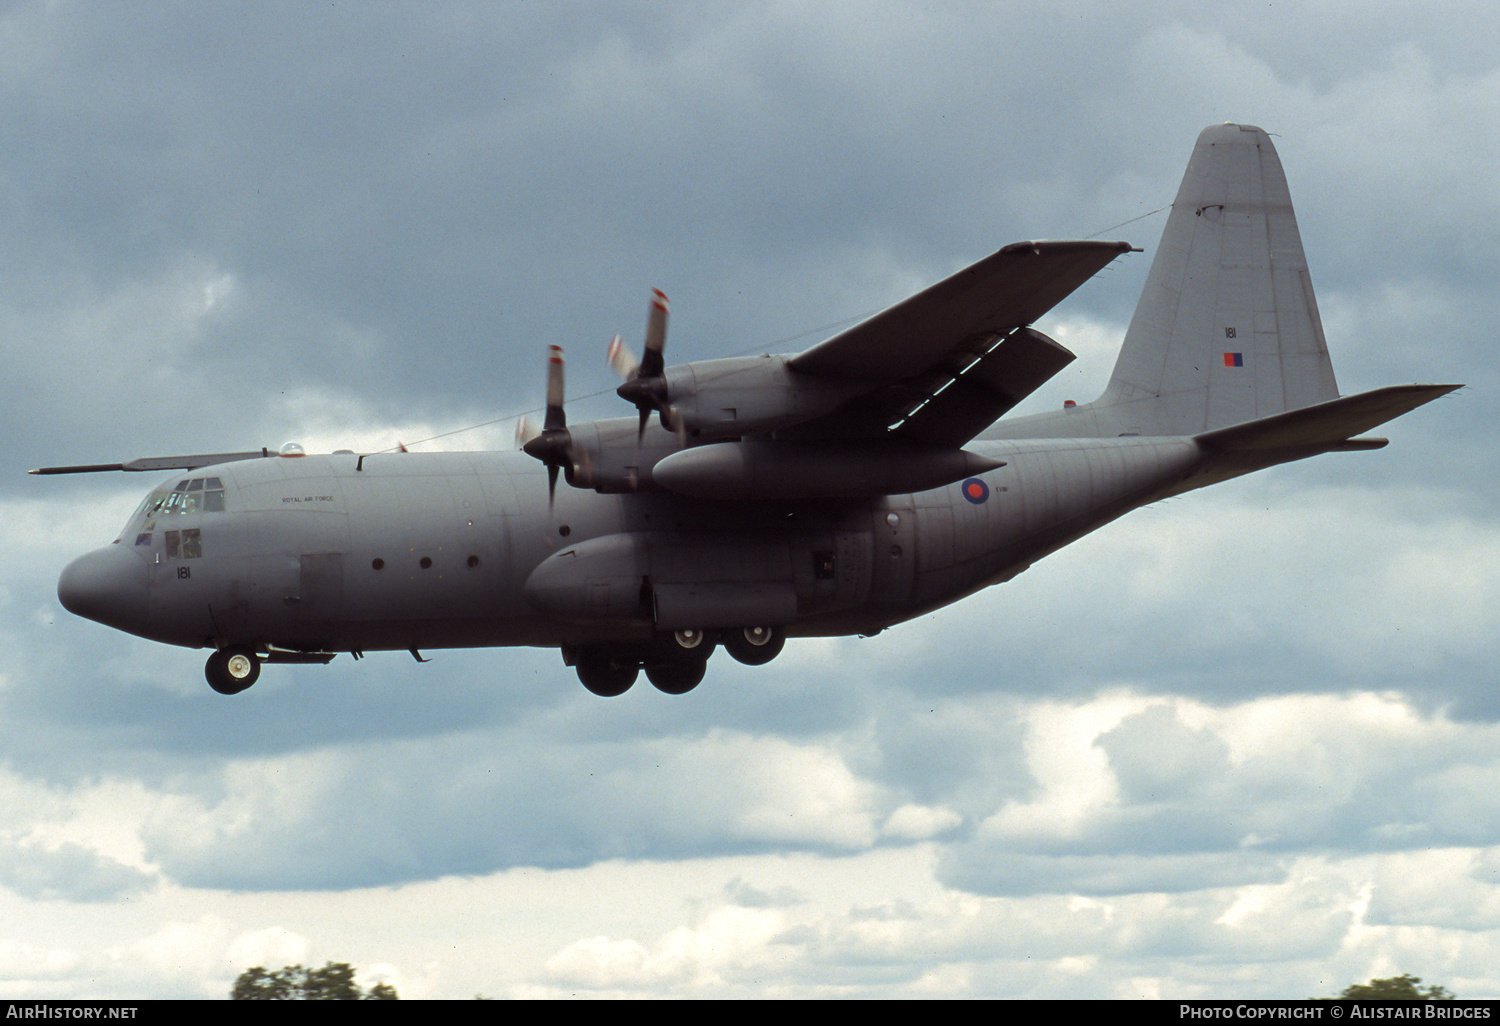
[{"x": 190, "y": 495}]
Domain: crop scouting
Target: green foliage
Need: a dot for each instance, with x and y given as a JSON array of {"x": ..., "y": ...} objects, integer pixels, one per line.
[
  {"x": 333, "y": 982},
  {"x": 1396, "y": 988}
]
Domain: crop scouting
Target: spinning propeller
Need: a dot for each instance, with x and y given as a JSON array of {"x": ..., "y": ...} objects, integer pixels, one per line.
[
  {"x": 645, "y": 386},
  {"x": 645, "y": 380},
  {"x": 553, "y": 445}
]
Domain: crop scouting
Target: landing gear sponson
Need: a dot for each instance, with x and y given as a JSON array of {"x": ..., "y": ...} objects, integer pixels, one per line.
[{"x": 675, "y": 663}]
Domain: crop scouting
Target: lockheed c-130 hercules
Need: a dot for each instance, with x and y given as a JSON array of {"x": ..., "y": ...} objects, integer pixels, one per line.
[{"x": 841, "y": 490}]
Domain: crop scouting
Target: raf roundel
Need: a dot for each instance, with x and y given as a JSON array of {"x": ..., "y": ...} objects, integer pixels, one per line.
[{"x": 975, "y": 490}]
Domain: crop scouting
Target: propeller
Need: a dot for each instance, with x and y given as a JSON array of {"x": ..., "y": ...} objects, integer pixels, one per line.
[
  {"x": 553, "y": 445},
  {"x": 645, "y": 381}
]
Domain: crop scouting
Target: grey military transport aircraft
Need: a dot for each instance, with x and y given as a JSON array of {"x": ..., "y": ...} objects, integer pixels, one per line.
[{"x": 841, "y": 490}]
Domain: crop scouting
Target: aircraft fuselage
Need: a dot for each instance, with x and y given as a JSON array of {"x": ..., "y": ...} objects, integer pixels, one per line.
[{"x": 434, "y": 550}]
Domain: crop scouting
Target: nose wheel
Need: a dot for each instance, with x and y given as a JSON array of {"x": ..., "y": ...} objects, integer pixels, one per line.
[{"x": 232, "y": 670}]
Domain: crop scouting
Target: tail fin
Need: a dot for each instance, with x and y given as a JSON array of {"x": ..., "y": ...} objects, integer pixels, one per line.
[{"x": 1227, "y": 329}]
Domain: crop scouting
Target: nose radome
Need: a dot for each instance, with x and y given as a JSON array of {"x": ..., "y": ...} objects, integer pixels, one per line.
[{"x": 108, "y": 586}]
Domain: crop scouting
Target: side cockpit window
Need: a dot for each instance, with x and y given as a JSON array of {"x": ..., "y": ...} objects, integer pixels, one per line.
[{"x": 184, "y": 544}]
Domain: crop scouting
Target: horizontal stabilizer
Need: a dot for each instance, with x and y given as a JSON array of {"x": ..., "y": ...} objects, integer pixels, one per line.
[{"x": 1324, "y": 424}]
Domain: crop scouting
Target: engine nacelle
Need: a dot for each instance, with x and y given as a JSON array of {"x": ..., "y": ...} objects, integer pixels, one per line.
[
  {"x": 608, "y": 457},
  {"x": 744, "y": 395}
]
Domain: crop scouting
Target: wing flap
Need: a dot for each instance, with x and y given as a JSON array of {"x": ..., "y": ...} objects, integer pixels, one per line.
[
  {"x": 952, "y": 401},
  {"x": 980, "y": 394}
]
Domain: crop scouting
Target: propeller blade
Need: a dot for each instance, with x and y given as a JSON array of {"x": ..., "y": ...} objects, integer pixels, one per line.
[
  {"x": 552, "y": 445},
  {"x": 645, "y": 379},
  {"x": 555, "y": 392},
  {"x": 621, "y": 360},
  {"x": 672, "y": 421},
  {"x": 656, "y": 335},
  {"x": 525, "y": 432}
]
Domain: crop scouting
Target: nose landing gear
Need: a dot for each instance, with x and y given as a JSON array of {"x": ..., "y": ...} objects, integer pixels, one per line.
[{"x": 232, "y": 670}]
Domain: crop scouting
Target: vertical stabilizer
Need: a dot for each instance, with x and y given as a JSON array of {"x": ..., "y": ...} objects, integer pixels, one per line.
[{"x": 1227, "y": 329}]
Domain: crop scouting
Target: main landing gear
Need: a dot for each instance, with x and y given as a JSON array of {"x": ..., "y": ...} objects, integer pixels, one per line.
[{"x": 675, "y": 663}]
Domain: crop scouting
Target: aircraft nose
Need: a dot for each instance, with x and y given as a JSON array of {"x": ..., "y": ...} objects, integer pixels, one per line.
[{"x": 107, "y": 585}]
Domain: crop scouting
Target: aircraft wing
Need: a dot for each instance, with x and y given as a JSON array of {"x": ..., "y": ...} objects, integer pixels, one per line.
[
  {"x": 952, "y": 359},
  {"x": 154, "y": 463}
]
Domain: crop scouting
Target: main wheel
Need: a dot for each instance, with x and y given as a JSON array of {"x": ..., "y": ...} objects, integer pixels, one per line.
[
  {"x": 690, "y": 645},
  {"x": 677, "y": 678},
  {"x": 605, "y": 674},
  {"x": 232, "y": 670},
  {"x": 755, "y": 646}
]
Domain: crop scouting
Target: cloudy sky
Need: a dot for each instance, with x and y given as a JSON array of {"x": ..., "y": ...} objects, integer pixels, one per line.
[{"x": 1244, "y": 743}]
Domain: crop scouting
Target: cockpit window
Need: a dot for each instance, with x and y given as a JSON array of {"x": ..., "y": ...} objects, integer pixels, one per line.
[
  {"x": 199, "y": 494},
  {"x": 190, "y": 495}
]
